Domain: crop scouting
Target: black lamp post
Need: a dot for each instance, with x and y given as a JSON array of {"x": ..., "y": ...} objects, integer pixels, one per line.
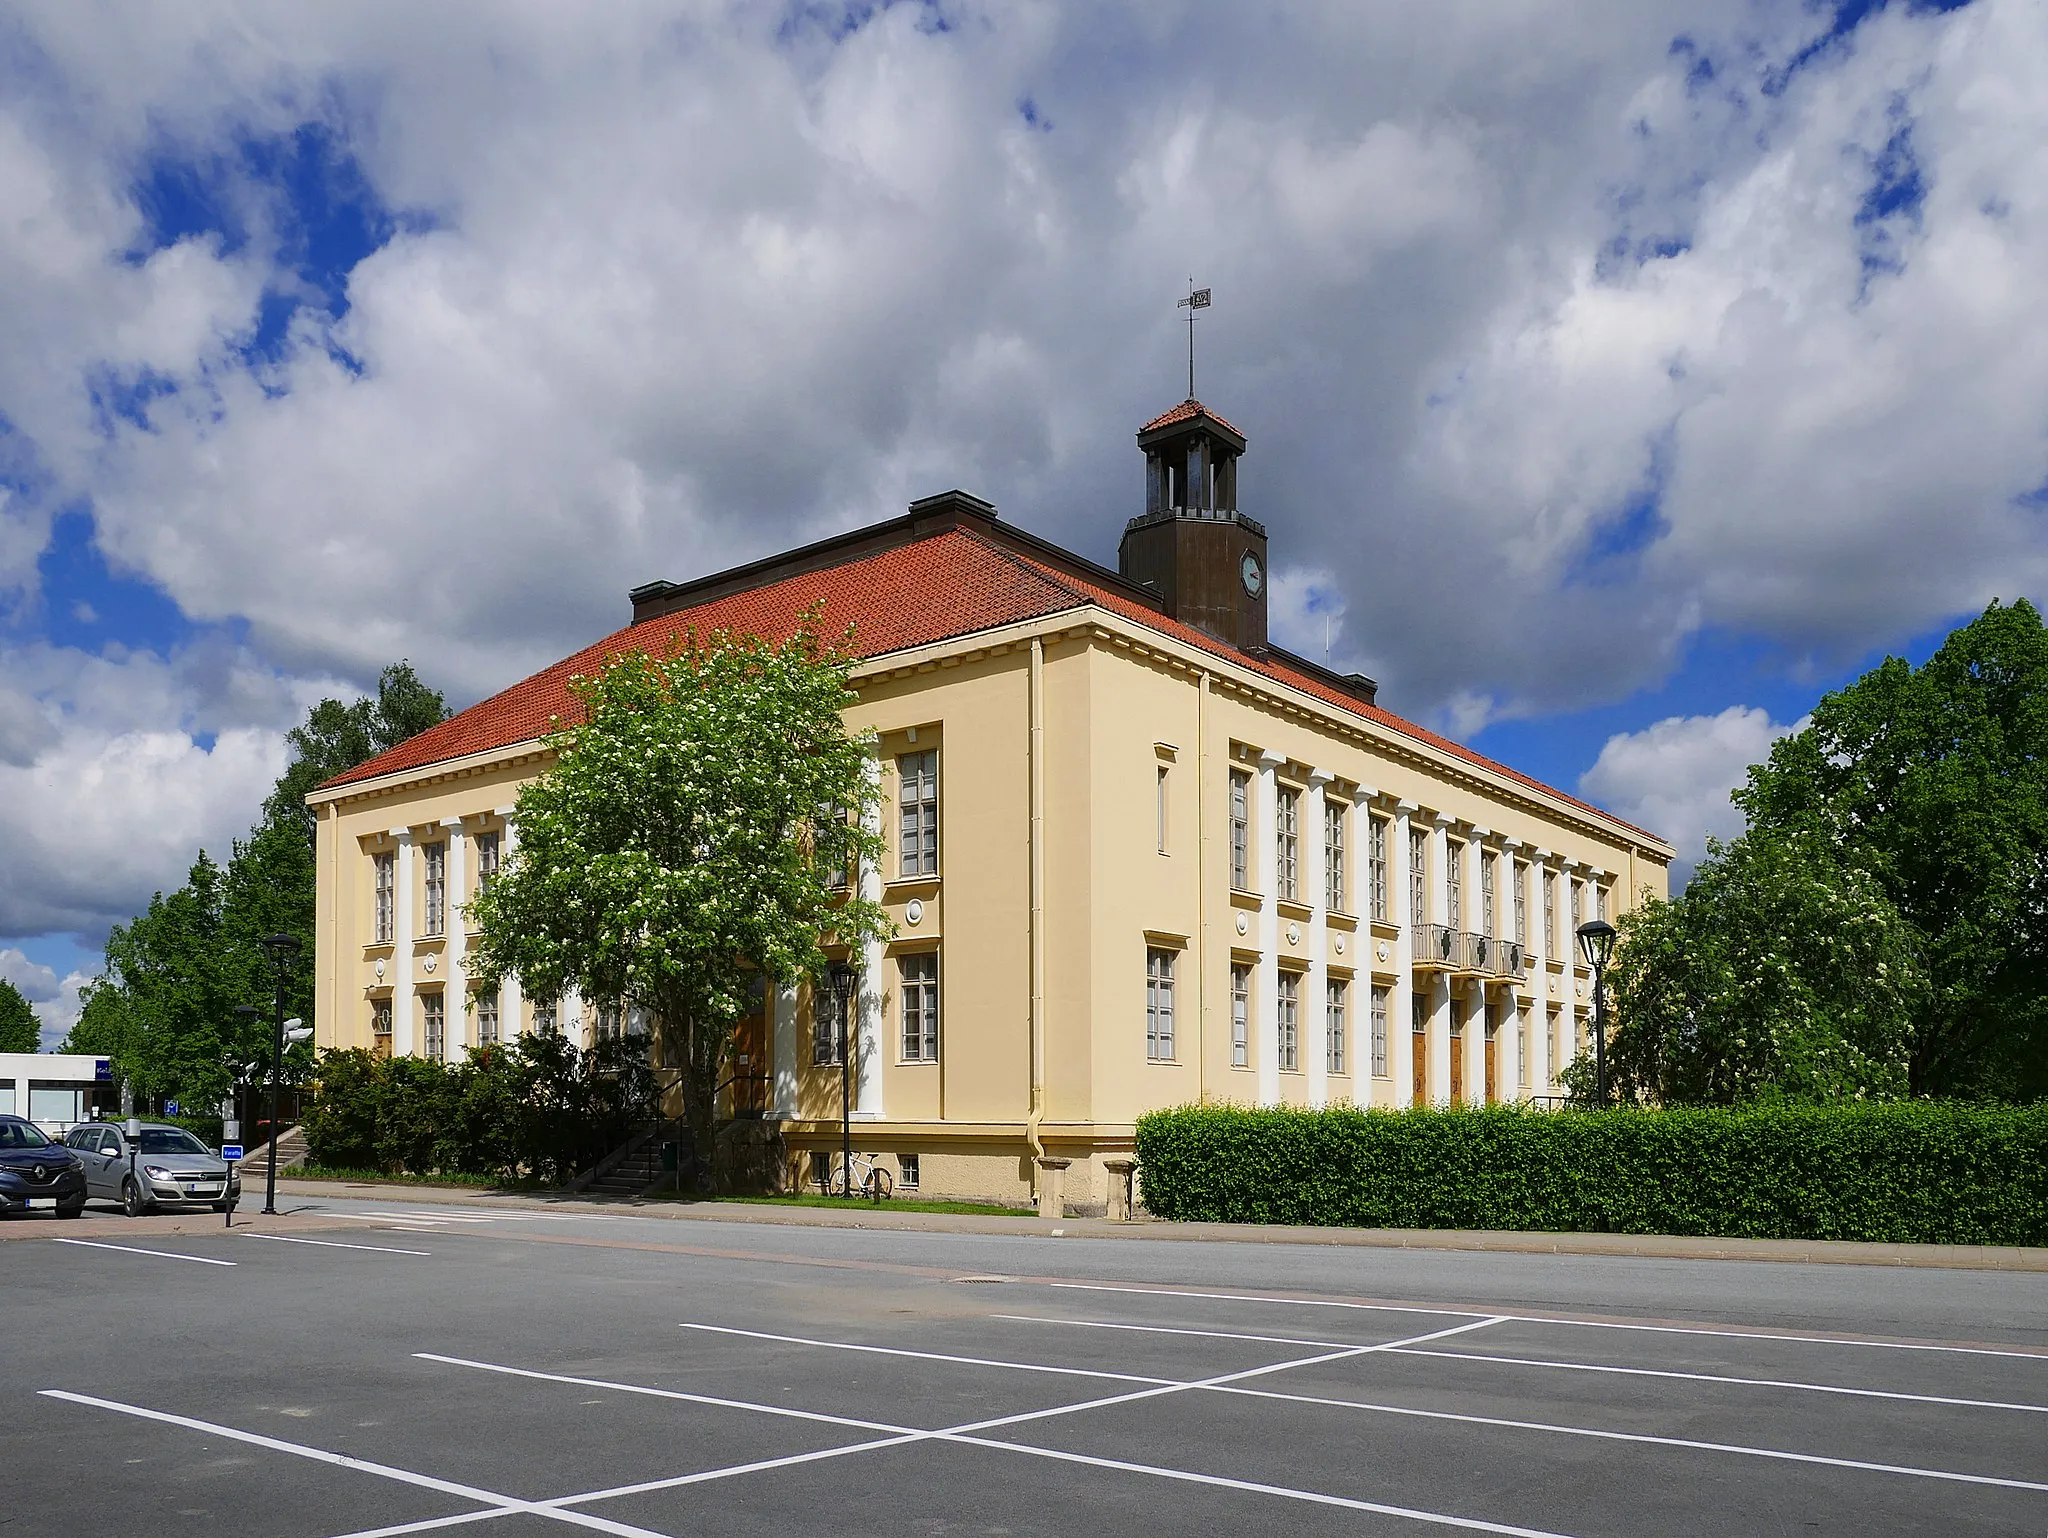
[
  {"x": 1596, "y": 941},
  {"x": 280, "y": 949}
]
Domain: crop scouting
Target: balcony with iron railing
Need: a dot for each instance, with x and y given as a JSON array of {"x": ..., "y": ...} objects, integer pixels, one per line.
[{"x": 1436, "y": 948}]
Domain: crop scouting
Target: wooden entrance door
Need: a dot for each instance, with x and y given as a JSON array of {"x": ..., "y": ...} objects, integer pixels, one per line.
[
  {"x": 748, "y": 1064},
  {"x": 1457, "y": 1051},
  {"x": 1492, "y": 1086},
  {"x": 1420, "y": 1052}
]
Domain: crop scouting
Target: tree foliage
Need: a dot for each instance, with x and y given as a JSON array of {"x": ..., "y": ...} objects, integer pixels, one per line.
[
  {"x": 686, "y": 840},
  {"x": 1935, "y": 781},
  {"x": 20, "y": 1030},
  {"x": 1783, "y": 972},
  {"x": 164, "y": 1008}
]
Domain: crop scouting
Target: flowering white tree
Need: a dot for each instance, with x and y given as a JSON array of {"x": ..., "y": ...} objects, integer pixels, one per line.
[{"x": 689, "y": 837}]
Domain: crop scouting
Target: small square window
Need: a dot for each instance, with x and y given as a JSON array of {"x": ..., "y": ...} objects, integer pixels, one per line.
[{"x": 906, "y": 1171}]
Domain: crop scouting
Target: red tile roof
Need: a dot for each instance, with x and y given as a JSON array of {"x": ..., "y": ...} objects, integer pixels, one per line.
[
  {"x": 946, "y": 584},
  {"x": 1185, "y": 411}
]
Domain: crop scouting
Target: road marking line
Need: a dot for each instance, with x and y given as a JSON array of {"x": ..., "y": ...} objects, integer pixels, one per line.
[
  {"x": 504, "y": 1505},
  {"x": 333, "y": 1244},
  {"x": 1584, "y": 1324},
  {"x": 964, "y": 1435},
  {"x": 1707, "y": 1377},
  {"x": 1521, "y": 1361},
  {"x": 929, "y": 1356},
  {"x": 129, "y": 1249}
]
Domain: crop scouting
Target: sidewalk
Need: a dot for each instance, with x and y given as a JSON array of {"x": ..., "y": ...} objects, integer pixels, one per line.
[{"x": 1955, "y": 1257}]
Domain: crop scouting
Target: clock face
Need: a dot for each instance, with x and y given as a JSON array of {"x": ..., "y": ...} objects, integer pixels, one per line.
[{"x": 1254, "y": 578}]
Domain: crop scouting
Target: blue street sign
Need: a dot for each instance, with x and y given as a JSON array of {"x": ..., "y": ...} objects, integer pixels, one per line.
[
  {"x": 103, "y": 1071},
  {"x": 170, "y": 1108},
  {"x": 231, "y": 1151}
]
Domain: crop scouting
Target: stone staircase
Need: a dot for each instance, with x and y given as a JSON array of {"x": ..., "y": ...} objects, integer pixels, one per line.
[
  {"x": 291, "y": 1153},
  {"x": 628, "y": 1173}
]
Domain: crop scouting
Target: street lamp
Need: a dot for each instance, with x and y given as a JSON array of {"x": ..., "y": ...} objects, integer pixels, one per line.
[
  {"x": 1596, "y": 942},
  {"x": 280, "y": 949}
]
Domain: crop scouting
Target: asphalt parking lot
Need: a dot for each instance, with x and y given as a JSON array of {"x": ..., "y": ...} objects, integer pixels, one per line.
[{"x": 386, "y": 1367}]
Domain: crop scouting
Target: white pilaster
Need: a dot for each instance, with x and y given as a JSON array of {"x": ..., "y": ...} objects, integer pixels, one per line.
[
  {"x": 783, "y": 1045},
  {"x": 461, "y": 1028},
  {"x": 871, "y": 1007},
  {"x": 1401, "y": 998},
  {"x": 1475, "y": 994},
  {"x": 510, "y": 1005},
  {"x": 1439, "y": 982},
  {"x": 1514, "y": 883},
  {"x": 1266, "y": 992},
  {"x": 403, "y": 1040},
  {"x": 1316, "y": 1028}
]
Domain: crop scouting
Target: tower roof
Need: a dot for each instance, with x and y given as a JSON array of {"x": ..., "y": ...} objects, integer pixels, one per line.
[{"x": 1190, "y": 411}]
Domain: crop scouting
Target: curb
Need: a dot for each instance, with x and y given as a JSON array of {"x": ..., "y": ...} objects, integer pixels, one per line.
[{"x": 1837, "y": 1252}]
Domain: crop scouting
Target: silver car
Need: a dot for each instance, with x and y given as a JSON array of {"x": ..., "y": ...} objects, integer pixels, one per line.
[{"x": 164, "y": 1164}]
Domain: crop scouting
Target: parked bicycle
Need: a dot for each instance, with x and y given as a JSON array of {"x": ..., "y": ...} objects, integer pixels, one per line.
[{"x": 859, "y": 1176}]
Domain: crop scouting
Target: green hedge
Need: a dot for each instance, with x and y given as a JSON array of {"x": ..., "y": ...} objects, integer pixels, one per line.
[{"x": 1912, "y": 1172}]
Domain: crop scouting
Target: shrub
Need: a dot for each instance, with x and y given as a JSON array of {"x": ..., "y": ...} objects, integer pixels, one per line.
[
  {"x": 541, "y": 1106},
  {"x": 1916, "y": 1172}
]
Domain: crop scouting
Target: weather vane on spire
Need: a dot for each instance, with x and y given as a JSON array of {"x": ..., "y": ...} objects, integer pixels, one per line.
[{"x": 1197, "y": 299}]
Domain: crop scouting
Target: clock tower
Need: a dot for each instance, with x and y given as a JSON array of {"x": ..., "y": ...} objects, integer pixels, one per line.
[{"x": 1205, "y": 560}]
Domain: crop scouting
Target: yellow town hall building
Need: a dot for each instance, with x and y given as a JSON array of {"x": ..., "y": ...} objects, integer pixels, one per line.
[{"x": 1137, "y": 855}]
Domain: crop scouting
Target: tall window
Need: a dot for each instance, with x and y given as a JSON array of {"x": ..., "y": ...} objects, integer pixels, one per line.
[
  {"x": 1379, "y": 1033},
  {"x": 488, "y": 849},
  {"x": 1454, "y": 885},
  {"x": 386, "y": 869},
  {"x": 1159, "y": 808},
  {"x": 1519, "y": 876},
  {"x": 1555, "y": 1035},
  {"x": 1522, "y": 1048},
  {"x": 1376, "y": 865},
  {"x": 1333, "y": 856},
  {"x": 434, "y": 1018},
  {"x": 380, "y": 1018},
  {"x": 1418, "y": 893},
  {"x": 436, "y": 858},
  {"x": 1334, "y": 1045},
  {"x": 1240, "y": 830},
  {"x": 1159, "y": 1005},
  {"x": 831, "y": 1006},
  {"x": 1578, "y": 908},
  {"x": 1418, "y": 1014},
  {"x": 545, "y": 1014},
  {"x": 917, "y": 778},
  {"x": 1288, "y": 1027},
  {"x": 1488, "y": 865},
  {"x": 1240, "y": 1016},
  {"x": 486, "y": 1019},
  {"x": 1600, "y": 903},
  {"x": 919, "y": 977},
  {"x": 1550, "y": 911},
  {"x": 1287, "y": 842}
]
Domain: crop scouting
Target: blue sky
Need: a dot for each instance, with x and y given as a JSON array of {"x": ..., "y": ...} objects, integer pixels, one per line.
[{"x": 1614, "y": 386}]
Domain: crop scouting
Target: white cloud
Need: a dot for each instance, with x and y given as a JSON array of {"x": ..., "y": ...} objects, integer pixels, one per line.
[
  {"x": 60, "y": 1012},
  {"x": 689, "y": 284},
  {"x": 36, "y": 981},
  {"x": 1674, "y": 777}
]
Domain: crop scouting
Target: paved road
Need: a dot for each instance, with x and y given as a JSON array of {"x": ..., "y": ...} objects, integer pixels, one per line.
[{"x": 386, "y": 1365}]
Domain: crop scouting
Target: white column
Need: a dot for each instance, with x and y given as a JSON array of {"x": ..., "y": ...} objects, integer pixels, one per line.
[
  {"x": 1265, "y": 838},
  {"x": 569, "y": 1015},
  {"x": 1315, "y": 1035},
  {"x": 783, "y": 1046},
  {"x": 461, "y": 1029},
  {"x": 871, "y": 1006},
  {"x": 1401, "y": 998},
  {"x": 1513, "y": 885},
  {"x": 510, "y": 1005},
  {"x": 403, "y": 1042},
  {"x": 1439, "y": 982},
  {"x": 1475, "y": 990}
]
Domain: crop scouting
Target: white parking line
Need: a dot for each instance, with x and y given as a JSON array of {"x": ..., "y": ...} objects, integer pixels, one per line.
[
  {"x": 927, "y": 1356},
  {"x": 502, "y": 1505},
  {"x": 129, "y": 1249},
  {"x": 1584, "y": 1324},
  {"x": 334, "y": 1244},
  {"x": 1231, "y": 1383},
  {"x": 1521, "y": 1361}
]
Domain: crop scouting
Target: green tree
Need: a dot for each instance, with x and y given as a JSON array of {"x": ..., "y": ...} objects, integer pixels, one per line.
[
  {"x": 337, "y": 737},
  {"x": 688, "y": 836},
  {"x": 1935, "y": 780},
  {"x": 20, "y": 1031},
  {"x": 1783, "y": 972}
]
